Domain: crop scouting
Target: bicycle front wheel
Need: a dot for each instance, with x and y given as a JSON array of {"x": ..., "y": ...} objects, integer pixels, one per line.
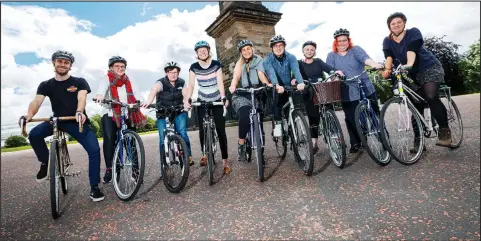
[
  {"x": 178, "y": 159},
  {"x": 302, "y": 143},
  {"x": 454, "y": 121},
  {"x": 64, "y": 160},
  {"x": 54, "y": 179},
  {"x": 209, "y": 142},
  {"x": 259, "y": 149},
  {"x": 402, "y": 126},
  {"x": 367, "y": 125},
  {"x": 128, "y": 168},
  {"x": 334, "y": 137}
]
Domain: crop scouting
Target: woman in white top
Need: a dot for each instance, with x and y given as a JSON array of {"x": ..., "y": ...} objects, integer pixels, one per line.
[{"x": 116, "y": 86}]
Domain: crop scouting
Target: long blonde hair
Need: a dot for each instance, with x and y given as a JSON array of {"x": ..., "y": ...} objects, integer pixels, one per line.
[{"x": 242, "y": 61}]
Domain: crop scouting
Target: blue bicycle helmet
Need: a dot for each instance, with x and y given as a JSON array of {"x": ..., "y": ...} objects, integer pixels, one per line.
[{"x": 201, "y": 44}]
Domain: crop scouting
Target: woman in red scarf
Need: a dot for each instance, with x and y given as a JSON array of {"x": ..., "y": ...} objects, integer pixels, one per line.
[{"x": 116, "y": 86}]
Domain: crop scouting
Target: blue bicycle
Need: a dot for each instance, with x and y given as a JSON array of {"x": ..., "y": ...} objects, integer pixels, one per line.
[
  {"x": 367, "y": 124},
  {"x": 131, "y": 163}
]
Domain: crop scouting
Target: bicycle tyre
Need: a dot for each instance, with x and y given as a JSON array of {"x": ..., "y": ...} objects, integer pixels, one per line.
[
  {"x": 460, "y": 121},
  {"x": 386, "y": 140},
  {"x": 259, "y": 156},
  {"x": 308, "y": 165},
  {"x": 119, "y": 193},
  {"x": 63, "y": 179},
  {"x": 210, "y": 154},
  {"x": 368, "y": 115},
  {"x": 280, "y": 142},
  {"x": 54, "y": 182},
  {"x": 330, "y": 114},
  {"x": 247, "y": 143},
  {"x": 185, "y": 163}
]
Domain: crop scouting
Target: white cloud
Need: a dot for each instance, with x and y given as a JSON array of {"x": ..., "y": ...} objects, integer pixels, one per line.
[
  {"x": 145, "y": 8},
  {"x": 148, "y": 45}
]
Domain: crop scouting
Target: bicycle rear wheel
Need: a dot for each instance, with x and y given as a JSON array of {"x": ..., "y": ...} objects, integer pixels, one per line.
[
  {"x": 367, "y": 125},
  {"x": 178, "y": 155},
  {"x": 305, "y": 156},
  {"x": 259, "y": 149},
  {"x": 334, "y": 137},
  {"x": 454, "y": 121},
  {"x": 397, "y": 118},
  {"x": 131, "y": 163},
  {"x": 54, "y": 181}
]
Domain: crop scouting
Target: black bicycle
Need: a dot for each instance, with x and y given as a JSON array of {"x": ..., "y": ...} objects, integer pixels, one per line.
[
  {"x": 210, "y": 135},
  {"x": 175, "y": 151},
  {"x": 255, "y": 138}
]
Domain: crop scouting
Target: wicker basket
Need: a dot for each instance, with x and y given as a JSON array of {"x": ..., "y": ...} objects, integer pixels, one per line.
[{"x": 327, "y": 92}]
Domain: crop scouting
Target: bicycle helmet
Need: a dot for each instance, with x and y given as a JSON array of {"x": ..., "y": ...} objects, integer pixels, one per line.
[
  {"x": 201, "y": 44},
  {"x": 309, "y": 43},
  {"x": 171, "y": 64},
  {"x": 396, "y": 15},
  {"x": 277, "y": 39},
  {"x": 341, "y": 32},
  {"x": 244, "y": 43},
  {"x": 60, "y": 54},
  {"x": 117, "y": 59}
]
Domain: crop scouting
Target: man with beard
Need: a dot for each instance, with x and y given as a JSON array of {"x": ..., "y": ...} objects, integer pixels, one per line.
[
  {"x": 67, "y": 96},
  {"x": 312, "y": 69}
]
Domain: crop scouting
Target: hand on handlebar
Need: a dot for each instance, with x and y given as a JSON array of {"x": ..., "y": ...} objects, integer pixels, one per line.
[
  {"x": 279, "y": 89},
  {"x": 340, "y": 73},
  {"x": 27, "y": 119},
  {"x": 232, "y": 89},
  {"x": 146, "y": 104},
  {"x": 301, "y": 86},
  {"x": 99, "y": 98},
  {"x": 80, "y": 117},
  {"x": 187, "y": 104}
]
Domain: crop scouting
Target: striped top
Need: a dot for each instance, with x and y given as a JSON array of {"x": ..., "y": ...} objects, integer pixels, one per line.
[{"x": 207, "y": 80}]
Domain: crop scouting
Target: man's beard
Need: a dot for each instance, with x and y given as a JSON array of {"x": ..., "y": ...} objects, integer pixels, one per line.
[{"x": 61, "y": 74}]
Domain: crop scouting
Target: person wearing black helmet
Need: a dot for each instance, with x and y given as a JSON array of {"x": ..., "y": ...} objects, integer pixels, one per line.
[
  {"x": 280, "y": 67},
  {"x": 169, "y": 91},
  {"x": 249, "y": 69},
  {"x": 68, "y": 95},
  {"x": 352, "y": 60},
  {"x": 406, "y": 46},
  {"x": 117, "y": 86},
  {"x": 312, "y": 69}
]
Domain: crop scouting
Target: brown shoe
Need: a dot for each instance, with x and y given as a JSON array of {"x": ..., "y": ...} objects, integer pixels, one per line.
[
  {"x": 191, "y": 162},
  {"x": 444, "y": 137},
  {"x": 227, "y": 170},
  {"x": 203, "y": 161}
]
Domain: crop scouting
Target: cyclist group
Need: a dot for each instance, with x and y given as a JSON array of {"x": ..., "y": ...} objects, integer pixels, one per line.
[{"x": 279, "y": 69}]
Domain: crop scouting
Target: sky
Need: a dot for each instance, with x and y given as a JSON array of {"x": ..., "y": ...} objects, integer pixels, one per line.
[{"x": 150, "y": 34}]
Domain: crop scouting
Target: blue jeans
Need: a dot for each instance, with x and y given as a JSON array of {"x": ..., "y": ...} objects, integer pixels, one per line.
[
  {"x": 180, "y": 125},
  {"x": 87, "y": 139}
]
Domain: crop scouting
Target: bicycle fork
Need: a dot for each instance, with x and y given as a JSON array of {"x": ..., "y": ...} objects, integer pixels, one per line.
[{"x": 253, "y": 143}]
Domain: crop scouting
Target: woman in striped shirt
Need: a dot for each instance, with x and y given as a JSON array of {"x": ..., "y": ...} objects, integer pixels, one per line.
[{"x": 210, "y": 83}]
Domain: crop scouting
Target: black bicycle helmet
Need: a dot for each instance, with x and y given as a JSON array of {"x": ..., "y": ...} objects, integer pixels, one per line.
[
  {"x": 277, "y": 39},
  {"x": 309, "y": 43},
  {"x": 244, "y": 43},
  {"x": 396, "y": 15},
  {"x": 60, "y": 54},
  {"x": 341, "y": 32},
  {"x": 117, "y": 59}
]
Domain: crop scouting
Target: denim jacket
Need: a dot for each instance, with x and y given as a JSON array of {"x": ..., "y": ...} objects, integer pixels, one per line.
[{"x": 289, "y": 66}]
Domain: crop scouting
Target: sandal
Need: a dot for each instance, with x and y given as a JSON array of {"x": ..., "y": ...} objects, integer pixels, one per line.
[{"x": 227, "y": 170}]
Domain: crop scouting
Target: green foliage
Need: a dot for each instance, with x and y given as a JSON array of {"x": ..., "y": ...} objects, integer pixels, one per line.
[
  {"x": 96, "y": 128},
  {"x": 383, "y": 87},
  {"x": 470, "y": 68},
  {"x": 16, "y": 141}
]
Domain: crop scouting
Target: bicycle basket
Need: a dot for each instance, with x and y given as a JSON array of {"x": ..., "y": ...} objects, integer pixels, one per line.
[{"x": 327, "y": 92}]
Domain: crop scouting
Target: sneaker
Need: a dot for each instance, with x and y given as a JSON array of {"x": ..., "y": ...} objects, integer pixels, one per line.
[
  {"x": 191, "y": 162},
  {"x": 108, "y": 175},
  {"x": 96, "y": 195},
  {"x": 42, "y": 173},
  {"x": 277, "y": 130},
  {"x": 444, "y": 137},
  {"x": 241, "y": 152},
  {"x": 315, "y": 149}
]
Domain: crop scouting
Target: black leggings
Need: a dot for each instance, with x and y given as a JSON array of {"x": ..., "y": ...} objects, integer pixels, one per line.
[
  {"x": 219, "y": 120},
  {"x": 244, "y": 121},
  {"x": 312, "y": 114},
  {"x": 109, "y": 133},
  {"x": 349, "y": 108},
  {"x": 430, "y": 92}
]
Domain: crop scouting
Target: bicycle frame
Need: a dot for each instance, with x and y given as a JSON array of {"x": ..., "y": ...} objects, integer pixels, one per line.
[
  {"x": 253, "y": 113},
  {"x": 209, "y": 120},
  {"x": 290, "y": 105}
]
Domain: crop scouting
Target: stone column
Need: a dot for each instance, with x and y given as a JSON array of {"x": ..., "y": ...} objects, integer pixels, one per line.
[{"x": 241, "y": 20}]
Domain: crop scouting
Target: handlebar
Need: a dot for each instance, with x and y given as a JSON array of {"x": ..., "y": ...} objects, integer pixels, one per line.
[
  {"x": 343, "y": 79},
  {"x": 23, "y": 122},
  {"x": 208, "y": 103},
  {"x": 131, "y": 106},
  {"x": 162, "y": 108},
  {"x": 251, "y": 90}
]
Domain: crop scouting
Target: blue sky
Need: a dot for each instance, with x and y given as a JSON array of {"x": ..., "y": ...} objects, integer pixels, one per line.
[{"x": 111, "y": 17}]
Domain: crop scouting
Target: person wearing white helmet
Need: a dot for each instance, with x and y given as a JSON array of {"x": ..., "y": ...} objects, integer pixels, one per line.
[{"x": 169, "y": 91}]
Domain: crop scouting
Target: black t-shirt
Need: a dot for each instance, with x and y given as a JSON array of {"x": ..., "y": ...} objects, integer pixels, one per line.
[
  {"x": 314, "y": 70},
  {"x": 63, "y": 94}
]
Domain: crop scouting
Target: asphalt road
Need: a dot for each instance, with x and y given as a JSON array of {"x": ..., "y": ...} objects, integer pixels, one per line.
[{"x": 437, "y": 199}]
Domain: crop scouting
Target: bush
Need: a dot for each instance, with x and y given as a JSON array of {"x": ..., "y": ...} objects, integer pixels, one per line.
[{"x": 16, "y": 141}]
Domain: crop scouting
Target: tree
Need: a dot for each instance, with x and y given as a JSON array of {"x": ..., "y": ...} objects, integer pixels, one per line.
[
  {"x": 384, "y": 88},
  {"x": 98, "y": 120},
  {"x": 470, "y": 68},
  {"x": 16, "y": 141},
  {"x": 447, "y": 53}
]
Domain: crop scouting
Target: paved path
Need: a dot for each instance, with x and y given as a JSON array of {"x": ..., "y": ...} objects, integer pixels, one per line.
[{"x": 437, "y": 199}]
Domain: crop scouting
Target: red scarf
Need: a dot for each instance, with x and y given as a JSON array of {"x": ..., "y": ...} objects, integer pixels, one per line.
[{"x": 136, "y": 117}]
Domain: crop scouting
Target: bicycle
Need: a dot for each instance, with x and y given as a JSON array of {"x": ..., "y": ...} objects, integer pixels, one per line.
[
  {"x": 367, "y": 124},
  {"x": 210, "y": 135},
  {"x": 290, "y": 133},
  {"x": 131, "y": 165},
  {"x": 402, "y": 123},
  {"x": 175, "y": 151},
  {"x": 327, "y": 93},
  {"x": 59, "y": 161},
  {"x": 255, "y": 138}
]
